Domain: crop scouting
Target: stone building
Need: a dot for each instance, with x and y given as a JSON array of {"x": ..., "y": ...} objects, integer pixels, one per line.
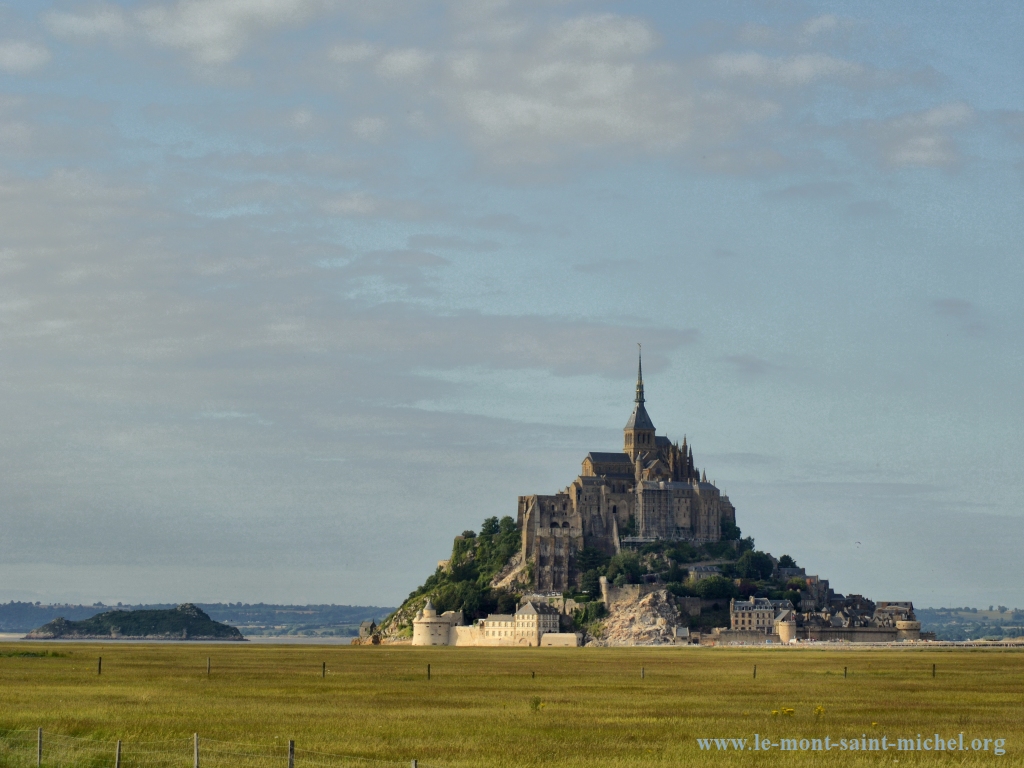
[
  {"x": 430, "y": 629},
  {"x": 534, "y": 624},
  {"x": 650, "y": 490}
]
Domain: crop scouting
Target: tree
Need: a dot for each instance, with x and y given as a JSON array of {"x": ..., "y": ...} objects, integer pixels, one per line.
[
  {"x": 755, "y": 565},
  {"x": 730, "y": 531},
  {"x": 715, "y": 588},
  {"x": 490, "y": 527},
  {"x": 787, "y": 562},
  {"x": 625, "y": 564},
  {"x": 591, "y": 583},
  {"x": 591, "y": 559}
]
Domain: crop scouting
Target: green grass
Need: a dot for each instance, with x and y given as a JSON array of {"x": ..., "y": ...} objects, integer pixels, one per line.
[{"x": 485, "y": 707}]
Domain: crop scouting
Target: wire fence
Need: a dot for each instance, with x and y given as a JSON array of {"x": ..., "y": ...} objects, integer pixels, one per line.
[{"x": 36, "y": 749}]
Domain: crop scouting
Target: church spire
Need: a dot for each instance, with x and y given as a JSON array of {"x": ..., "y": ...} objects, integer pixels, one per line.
[{"x": 639, "y": 375}]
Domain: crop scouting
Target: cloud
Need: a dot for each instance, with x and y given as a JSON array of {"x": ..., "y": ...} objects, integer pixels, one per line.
[
  {"x": 787, "y": 72},
  {"x": 211, "y": 32},
  {"x": 921, "y": 139},
  {"x": 404, "y": 64},
  {"x": 370, "y": 128},
  {"x": 18, "y": 56},
  {"x": 104, "y": 21}
]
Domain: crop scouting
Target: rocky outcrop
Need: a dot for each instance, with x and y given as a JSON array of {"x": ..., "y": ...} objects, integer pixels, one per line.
[
  {"x": 513, "y": 576},
  {"x": 643, "y": 620}
]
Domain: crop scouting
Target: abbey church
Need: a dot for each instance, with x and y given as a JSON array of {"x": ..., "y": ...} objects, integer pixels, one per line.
[{"x": 650, "y": 490}]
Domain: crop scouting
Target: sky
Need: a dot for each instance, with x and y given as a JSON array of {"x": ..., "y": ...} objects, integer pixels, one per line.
[{"x": 293, "y": 291}]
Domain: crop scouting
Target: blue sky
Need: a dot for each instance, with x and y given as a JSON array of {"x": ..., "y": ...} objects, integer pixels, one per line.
[{"x": 292, "y": 292}]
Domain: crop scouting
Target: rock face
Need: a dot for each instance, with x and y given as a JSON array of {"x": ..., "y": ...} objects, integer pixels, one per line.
[
  {"x": 647, "y": 620},
  {"x": 186, "y": 622}
]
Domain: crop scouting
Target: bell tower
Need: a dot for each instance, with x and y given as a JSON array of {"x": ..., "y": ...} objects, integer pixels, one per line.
[{"x": 639, "y": 430}]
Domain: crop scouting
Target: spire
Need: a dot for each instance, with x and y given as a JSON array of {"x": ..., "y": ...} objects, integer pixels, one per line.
[
  {"x": 704, "y": 477},
  {"x": 639, "y": 375}
]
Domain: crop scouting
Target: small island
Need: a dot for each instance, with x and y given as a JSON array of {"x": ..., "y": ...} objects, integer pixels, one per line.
[{"x": 186, "y": 622}]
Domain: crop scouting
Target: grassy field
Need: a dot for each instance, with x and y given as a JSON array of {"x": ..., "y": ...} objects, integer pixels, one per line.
[{"x": 509, "y": 707}]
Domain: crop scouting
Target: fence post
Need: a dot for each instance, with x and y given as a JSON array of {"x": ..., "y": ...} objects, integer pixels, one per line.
[
  {"x": 99, "y": 666},
  {"x": 39, "y": 749},
  {"x": 755, "y": 671},
  {"x": 195, "y": 750},
  {"x": 323, "y": 670},
  {"x": 641, "y": 673},
  {"x": 414, "y": 764},
  {"x": 291, "y": 753},
  {"x": 207, "y": 666},
  {"x": 117, "y": 756},
  {"x": 428, "y": 671},
  {"x": 933, "y": 670},
  {"x": 844, "y": 673}
]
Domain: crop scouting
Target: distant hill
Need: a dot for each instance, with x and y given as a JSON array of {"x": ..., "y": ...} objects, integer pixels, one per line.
[
  {"x": 186, "y": 622},
  {"x": 255, "y": 619}
]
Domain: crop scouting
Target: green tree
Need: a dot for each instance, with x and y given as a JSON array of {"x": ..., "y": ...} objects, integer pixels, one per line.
[
  {"x": 591, "y": 583},
  {"x": 490, "y": 527},
  {"x": 591, "y": 559},
  {"x": 626, "y": 564},
  {"x": 787, "y": 562},
  {"x": 730, "y": 531},
  {"x": 755, "y": 565},
  {"x": 715, "y": 588}
]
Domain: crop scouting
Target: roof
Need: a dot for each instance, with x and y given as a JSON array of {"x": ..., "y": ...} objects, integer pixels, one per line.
[
  {"x": 662, "y": 441},
  {"x": 639, "y": 418},
  {"x": 532, "y": 607},
  {"x": 599, "y": 457},
  {"x": 500, "y": 617}
]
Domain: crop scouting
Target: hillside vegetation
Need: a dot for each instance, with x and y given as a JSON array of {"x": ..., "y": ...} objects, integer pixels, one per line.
[{"x": 186, "y": 622}]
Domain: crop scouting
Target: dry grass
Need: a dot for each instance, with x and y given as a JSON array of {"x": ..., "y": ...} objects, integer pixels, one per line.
[{"x": 485, "y": 707}]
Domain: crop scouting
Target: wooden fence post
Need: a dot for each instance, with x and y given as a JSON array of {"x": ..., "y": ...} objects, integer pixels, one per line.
[
  {"x": 117, "y": 755},
  {"x": 414, "y": 764},
  {"x": 844, "y": 673},
  {"x": 428, "y": 671},
  {"x": 207, "y": 666},
  {"x": 755, "y": 671},
  {"x": 99, "y": 666},
  {"x": 195, "y": 750},
  {"x": 291, "y": 753},
  {"x": 39, "y": 749},
  {"x": 323, "y": 670}
]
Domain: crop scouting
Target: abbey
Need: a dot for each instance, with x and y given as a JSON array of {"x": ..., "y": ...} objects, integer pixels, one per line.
[{"x": 648, "y": 491}]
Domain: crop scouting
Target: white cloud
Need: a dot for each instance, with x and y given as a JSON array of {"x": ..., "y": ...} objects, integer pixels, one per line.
[
  {"x": 210, "y": 31},
  {"x": 104, "y": 21},
  {"x": 789, "y": 71},
  {"x": 369, "y": 128},
  {"x": 605, "y": 36},
  {"x": 354, "y": 204},
  {"x": 404, "y": 63},
  {"x": 922, "y": 139},
  {"x": 22, "y": 56}
]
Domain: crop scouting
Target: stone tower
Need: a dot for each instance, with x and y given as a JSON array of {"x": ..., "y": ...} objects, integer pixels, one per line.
[{"x": 639, "y": 430}]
